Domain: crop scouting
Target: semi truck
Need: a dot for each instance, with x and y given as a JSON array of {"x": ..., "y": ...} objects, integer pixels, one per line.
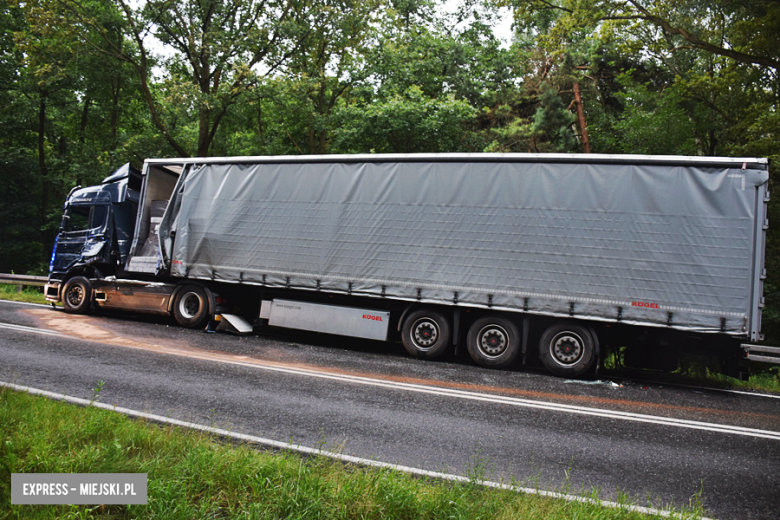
[{"x": 516, "y": 257}]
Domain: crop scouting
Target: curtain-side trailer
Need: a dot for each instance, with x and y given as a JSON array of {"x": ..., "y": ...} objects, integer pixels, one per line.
[{"x": 509, "y": 254}]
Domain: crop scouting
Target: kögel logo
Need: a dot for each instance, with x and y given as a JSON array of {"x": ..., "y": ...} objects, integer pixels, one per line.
[
  {"x": 645, "y": 304},
  {"x": 372, "y": 317}
]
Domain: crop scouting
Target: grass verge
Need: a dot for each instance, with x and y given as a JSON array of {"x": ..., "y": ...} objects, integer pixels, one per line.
[
  {"x": 195, "y": 475},
  {"x": 763, "y": 377},
  {"x": 698, "y": 370},
  {"x": 29, "y": 294}
]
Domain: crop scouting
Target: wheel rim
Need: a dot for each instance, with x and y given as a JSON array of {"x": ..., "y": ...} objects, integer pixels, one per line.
[
  {"x": 567, "y": 348},
  {"x": 75, "y": 295},
  {"x": 425, "y": 333},
  {"x": 189, "y": 306},
  {"x": 493, "y": 340}
]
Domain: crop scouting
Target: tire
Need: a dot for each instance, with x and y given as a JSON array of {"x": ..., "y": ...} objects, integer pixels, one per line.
[
  {"x": 426, "y": 334},
  {"x": 493, "y": 342},
  {"x": 566, "y": 349},
  {"x": 77, "y": 295},
  {"x": 191, "y": 307}
]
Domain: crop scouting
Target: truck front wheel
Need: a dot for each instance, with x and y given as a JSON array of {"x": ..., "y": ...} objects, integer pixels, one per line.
[
  {"x": 493, "y": 342},
  {"x": 426, "y": 334},
  {"x": 77, "y": 295},
  {"x": 566, "y": 349},
  {"x": 191, "y": 307}
]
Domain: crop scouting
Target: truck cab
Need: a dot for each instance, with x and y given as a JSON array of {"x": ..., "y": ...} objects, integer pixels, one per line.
[{"x": 96, "y": 231}]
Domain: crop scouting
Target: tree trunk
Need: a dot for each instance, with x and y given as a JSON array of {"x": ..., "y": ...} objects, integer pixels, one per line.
[
  {"x": 311, "y": 139},
  {"x": 203, "y": 74},
  {"x": 115, "y": 89},
  {"x": 84, "y": 120},
  {"x": 581, "y": 119},
  {"x": 204, "y": 143},
  {"x": 44, "y": 202},
  {"x": 321, "y": 112}
]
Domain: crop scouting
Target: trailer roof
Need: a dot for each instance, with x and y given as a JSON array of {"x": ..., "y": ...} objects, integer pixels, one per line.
[{"x": 678, "y": 160}]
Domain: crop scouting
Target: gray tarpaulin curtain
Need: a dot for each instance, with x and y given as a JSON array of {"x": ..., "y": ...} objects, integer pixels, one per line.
[{"x": 555, "y": 238}]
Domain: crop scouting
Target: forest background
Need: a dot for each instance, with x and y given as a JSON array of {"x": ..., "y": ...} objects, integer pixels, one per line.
[{"x": 88, "y": 85}]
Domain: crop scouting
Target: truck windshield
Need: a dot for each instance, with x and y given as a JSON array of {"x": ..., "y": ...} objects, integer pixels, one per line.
[{"x": 82, "y": 218}]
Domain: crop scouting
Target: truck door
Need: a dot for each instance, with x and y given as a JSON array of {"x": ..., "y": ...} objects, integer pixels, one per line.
[{"x": 81, "y": 236}]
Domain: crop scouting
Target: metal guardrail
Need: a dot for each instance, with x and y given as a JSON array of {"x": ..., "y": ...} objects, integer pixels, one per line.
[
  {"x": 23, "y": 279},
  {"x": 762, "y": 353}
]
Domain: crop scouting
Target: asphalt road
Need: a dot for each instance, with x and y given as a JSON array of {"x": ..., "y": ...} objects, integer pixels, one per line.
[{"x": 660, "y": 445}]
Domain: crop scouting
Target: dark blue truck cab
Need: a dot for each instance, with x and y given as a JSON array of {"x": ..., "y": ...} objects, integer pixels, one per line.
[{"x": 95, "y": 236}]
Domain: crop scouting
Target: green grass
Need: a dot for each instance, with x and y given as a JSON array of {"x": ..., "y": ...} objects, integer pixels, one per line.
[
  {"x": 29, "y": 294},
  {"x": 698, "y": 370},
  {"x": 194, "y": 475},
  {"x": 703, "y": 369},
  {"x": 762, "y": 377}
]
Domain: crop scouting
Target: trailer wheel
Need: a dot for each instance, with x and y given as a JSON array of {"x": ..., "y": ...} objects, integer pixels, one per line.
[
  {"x": 566, "y": 349},
  {"x": 77, "y": 295},
  {"x": 493, "y": 342},
  {"x": 191, "y": 307},
  {"x": 426, "y": 334}
]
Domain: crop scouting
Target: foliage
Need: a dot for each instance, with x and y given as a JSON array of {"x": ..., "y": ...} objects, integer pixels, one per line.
[
  {"x": 404, "y": 123},
  {"x": 650, "y": 123},
  {"x": 552, "y": 120},
  {"x": 27, "y": 294},
  {"x": 217, "y": 50}
]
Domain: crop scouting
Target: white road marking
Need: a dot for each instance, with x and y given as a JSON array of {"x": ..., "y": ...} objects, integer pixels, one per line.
[
  {"x": 674, "y": 385},
  {"x": 464, "y": 394},
  {"x": 527, "y": 403},
  {"x": 740, "y": 392},
  {"x": 22, "y": 328},
  {"x": 337, "y": 456},
  {"x": 723, "y": 390},
  {"x": 45, "y": 305}
]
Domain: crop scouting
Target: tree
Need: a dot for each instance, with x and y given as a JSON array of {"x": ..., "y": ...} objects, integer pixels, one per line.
[
  {"x": 44, "y": 80},
  {"x": 745, "y": 31},
  {"x": 552, "y": 121},
  {"x": 405, "y": 123},
  {"x": 20, "y": 237},
  {"x": 331, "y": 61},
  {"x": 219, "y": 49},
  {"x": 650, "y": 122}
]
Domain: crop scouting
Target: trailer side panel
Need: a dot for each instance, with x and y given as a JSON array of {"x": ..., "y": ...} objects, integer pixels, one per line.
[{"x": 648, "y": 244}]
